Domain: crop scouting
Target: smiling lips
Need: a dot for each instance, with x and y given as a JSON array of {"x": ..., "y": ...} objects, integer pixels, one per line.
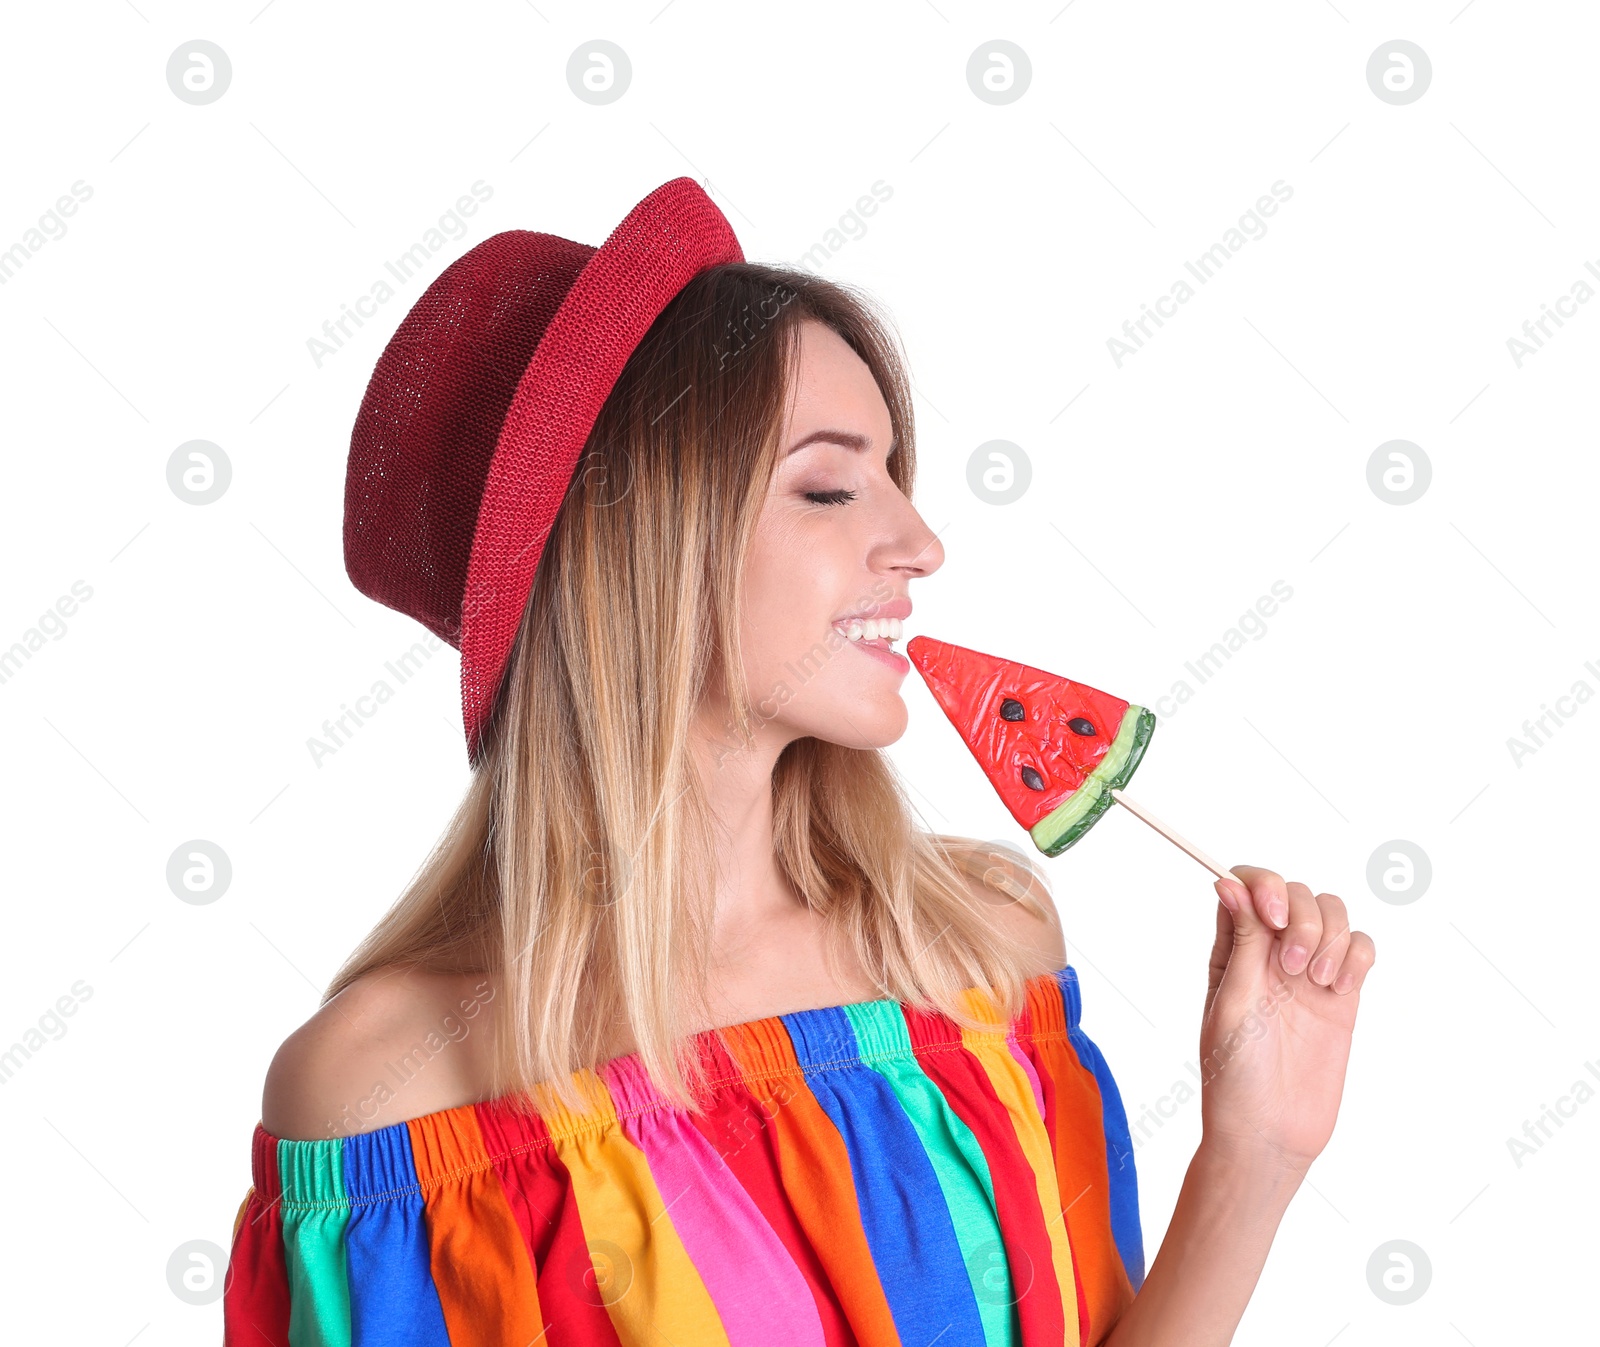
[
  {"x": 877, "y": 625},
  {"x": 879, "y": 631}
]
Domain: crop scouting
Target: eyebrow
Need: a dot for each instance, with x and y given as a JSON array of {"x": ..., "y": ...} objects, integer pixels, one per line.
[{"x": 848, "y": 438}]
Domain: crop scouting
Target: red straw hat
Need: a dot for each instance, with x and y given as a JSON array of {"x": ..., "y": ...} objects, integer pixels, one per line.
[{"x": 480, "y": 405}]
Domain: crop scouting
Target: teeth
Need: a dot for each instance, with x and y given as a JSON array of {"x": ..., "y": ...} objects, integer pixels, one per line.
[{"x": 871, "y": 629}]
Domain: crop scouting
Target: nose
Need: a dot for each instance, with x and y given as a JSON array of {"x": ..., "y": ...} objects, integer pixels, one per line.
[{"x": 929, "y": 551}]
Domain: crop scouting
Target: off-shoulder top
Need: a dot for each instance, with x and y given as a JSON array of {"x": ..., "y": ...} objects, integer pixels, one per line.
[{"x": 869, "y": 1173}]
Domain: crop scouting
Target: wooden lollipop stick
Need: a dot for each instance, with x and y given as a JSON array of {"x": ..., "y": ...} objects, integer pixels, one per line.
[{"x": 1140, "y": 812}]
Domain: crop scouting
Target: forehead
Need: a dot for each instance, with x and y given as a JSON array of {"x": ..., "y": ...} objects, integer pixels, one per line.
[{"x": 835, "y": 387}]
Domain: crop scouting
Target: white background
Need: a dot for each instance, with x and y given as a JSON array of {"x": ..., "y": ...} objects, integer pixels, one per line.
[{"x": 1229, "y": 453}]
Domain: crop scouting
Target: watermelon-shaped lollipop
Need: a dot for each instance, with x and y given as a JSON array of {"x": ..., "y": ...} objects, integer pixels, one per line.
[
  {"x": 1052, "y": 748},
  {"x": 1058, "y": 752}
]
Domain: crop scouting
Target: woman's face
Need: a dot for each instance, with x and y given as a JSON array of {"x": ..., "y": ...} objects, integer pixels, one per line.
[{"x": 836, "y": 538}]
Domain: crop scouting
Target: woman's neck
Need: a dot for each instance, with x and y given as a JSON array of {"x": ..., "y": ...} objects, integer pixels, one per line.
[{"x": 771, "y": 952}]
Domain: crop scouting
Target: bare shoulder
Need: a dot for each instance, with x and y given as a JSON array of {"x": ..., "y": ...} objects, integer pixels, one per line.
[
  {"x": 1032, "y": 920},
  {"x": 395, "y": 1044}
]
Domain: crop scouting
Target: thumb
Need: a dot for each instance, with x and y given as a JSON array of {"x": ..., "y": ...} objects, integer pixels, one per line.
[
  {"x": 1242, "y": 937},
  {"x": 1250, "y": 928}
]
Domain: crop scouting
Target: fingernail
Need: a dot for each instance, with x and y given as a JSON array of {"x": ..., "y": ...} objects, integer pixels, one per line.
[
  {"x": 1278, "y": 912},
  {"x": 1294, "y": 958},
  {"x": 1345, "y": 982},
  {"x": 1323, "y": 971}
]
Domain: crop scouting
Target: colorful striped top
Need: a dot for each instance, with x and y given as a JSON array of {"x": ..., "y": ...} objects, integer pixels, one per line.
[{"x": 867, "y": 1174}]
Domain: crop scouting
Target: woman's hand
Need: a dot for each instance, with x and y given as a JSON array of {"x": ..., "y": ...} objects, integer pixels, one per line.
[
  {"x": 1285, "y": 984},
  {"x": 1273, "y": 1046}
]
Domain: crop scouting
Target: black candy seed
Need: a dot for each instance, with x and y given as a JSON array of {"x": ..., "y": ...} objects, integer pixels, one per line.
[
  {"x": 1078, "y": 725},
  {"x": 1031, "y": 779},
  {"x": 1011, "y": 709}
]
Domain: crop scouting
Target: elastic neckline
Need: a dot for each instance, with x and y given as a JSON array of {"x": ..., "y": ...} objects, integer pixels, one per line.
[{"x": 459, "y": 1130}]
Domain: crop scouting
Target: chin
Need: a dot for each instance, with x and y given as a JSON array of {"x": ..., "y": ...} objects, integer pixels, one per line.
[{"x": 874, "y": 721}]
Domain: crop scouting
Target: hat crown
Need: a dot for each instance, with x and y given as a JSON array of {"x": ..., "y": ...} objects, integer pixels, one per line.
[
  {"x": 476, "y": 413},
  {"x": 428, "y": 425}
]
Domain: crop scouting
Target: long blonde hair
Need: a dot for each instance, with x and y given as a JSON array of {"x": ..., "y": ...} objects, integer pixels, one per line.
[{"x": 578, "y": 866}]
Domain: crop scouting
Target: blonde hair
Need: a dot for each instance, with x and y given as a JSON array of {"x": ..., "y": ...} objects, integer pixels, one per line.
[{"x": 577, "y": 867}]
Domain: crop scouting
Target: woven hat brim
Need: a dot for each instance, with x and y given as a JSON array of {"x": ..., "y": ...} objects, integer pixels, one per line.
[{"x": 671, "y": 236}]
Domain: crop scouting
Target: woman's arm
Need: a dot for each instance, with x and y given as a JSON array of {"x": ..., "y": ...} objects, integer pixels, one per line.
[
  {"x": 1225, "y": 1220},
  {"x": 1285, "y": 983}
]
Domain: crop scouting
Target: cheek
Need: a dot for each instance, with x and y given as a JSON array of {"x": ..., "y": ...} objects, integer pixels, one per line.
[{"x": 792, "y": 588}]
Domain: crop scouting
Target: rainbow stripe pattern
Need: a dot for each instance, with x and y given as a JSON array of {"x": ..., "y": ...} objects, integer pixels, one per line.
[{"x": 868, "y": 1174}]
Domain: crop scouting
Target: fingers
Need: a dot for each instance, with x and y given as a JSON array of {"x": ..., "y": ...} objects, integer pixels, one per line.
[
  {"x": 1336, "y": 935},
  {"x": 1268, "y": 892},
  {"x": 1357, "y": 960},
  {"x": 1311, "y": 932},
  {"x": 1300, "y": 938}
]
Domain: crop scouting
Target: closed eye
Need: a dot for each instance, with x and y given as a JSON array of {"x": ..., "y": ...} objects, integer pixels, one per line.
[{"x": 830, "y": 497}]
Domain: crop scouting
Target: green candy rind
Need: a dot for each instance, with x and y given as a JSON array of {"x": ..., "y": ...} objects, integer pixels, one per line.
[{"x": 1065, "y": 824}]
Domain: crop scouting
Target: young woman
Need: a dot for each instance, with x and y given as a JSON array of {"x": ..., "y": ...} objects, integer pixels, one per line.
[{"x": 686, "y": 1032}]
